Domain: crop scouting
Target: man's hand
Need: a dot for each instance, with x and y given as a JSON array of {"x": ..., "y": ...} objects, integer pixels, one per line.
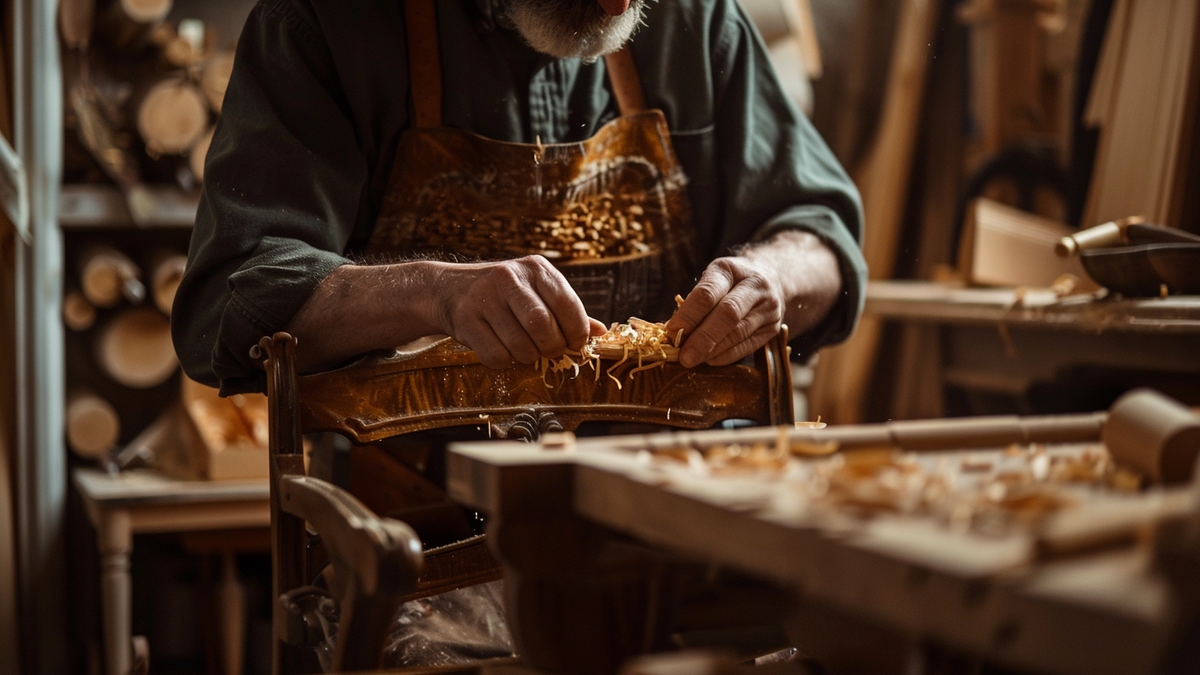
[
  {"x": 734, "y": 309},
  {"x": 740, "y": 302},
  {"x": 515, "y": 310}
]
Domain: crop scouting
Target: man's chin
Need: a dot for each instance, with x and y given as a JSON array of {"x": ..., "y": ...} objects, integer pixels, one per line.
[{"x": 566, "y": 29}]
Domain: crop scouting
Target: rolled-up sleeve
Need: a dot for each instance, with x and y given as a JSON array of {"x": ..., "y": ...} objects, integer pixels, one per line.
[
  {"x": 776, "y": 171},
  {"x": 284, "y": 185}
]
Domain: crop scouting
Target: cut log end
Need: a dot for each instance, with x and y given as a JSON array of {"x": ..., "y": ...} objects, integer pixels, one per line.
[
  {"x": 78, "y": 313},
  {"x": 146, "y": 11},
  {"x": 136, "y": 350},
  {"x": 107, "y": 275},
  {"x": 93, "y": 426},
  {"x": 200, "y": 154},
  {"x": 165, "y": 278},
  {"x": 172, "y": 117},
  {"x": 214, "y": 79}
]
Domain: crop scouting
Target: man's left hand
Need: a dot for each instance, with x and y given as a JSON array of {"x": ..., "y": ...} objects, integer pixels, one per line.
[
  {"x": 735, "y": 308},
  {"x": 741, "y": 302}
]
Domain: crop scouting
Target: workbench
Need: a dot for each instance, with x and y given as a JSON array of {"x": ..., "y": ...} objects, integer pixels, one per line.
[
  {"x": 142, "y": 501},
  {"x": 1003, "y": 341},
  {"x": 1108, "y": 612}
]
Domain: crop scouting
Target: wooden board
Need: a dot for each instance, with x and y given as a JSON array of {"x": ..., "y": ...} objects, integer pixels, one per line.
[{"x": 1144, "y": 102}]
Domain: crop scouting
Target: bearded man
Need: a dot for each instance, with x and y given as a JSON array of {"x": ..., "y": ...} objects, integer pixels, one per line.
[{"x": 384, "y": 171}]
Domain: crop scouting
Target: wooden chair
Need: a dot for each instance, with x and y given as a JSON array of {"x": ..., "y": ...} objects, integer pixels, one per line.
[{"x": 378, "y": 563}]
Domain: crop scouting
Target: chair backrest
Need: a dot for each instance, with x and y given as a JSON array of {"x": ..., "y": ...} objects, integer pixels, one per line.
[{"x": 443, "y": 385}]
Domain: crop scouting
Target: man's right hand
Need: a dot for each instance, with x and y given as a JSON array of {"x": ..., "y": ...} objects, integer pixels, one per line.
[
  {"x": 511, "y": 311},
  {"x": 508, "y": 312}
]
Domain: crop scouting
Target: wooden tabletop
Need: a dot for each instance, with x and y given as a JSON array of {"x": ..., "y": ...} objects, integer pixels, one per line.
[
  {"x": 943, "y": 303},
  {"x": 1104, "y": 613},
  {"x": 144, "y": 487}
]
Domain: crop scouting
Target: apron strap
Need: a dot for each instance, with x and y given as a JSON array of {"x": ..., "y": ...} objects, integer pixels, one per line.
[
  {"x": 626, "y": 84},
  {"x": 425, "y": 68},
  {"x": 424, "y": 62}
]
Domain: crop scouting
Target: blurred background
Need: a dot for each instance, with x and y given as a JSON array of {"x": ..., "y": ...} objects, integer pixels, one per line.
[{"x": 980, "y": 133}]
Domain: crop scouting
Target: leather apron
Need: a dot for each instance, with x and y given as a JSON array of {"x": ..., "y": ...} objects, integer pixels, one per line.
[{"x": 611, "y": 213}]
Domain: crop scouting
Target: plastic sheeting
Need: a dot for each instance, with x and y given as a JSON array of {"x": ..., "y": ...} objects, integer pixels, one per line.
[{"x": 453, "y": 628}]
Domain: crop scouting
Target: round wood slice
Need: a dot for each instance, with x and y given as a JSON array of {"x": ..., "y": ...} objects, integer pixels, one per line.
[
  {"x": 128, "y": 24},
  {"x": 200, "y": 154},
  {"x": 214, "y": 78},
  {"x": 165, "y": 274},
  {"x": 171, "y": 117},
  {"x": 135, "y": 349},
  {"x": 93, "y": 426},
  {"x": 106, "y": 275},
  {"x": 78, "y": 313},
  {"x": 146, "y": 11}
]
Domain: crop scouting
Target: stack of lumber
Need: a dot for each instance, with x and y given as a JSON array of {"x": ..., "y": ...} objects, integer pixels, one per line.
[{"x": 1143, "y": 102}]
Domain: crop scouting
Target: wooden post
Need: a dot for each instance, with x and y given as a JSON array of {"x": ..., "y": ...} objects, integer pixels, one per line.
[
  {"x": 171, "y": 117},
  {"x": 127, "y": 24},
  {"x": 93, "y": 427},
  {"x": 844, "y": 373},
  {"x": 135, "y": 348},
  {"x": 166, "y": 271},
  {"x": 106, "y": 275},
  {"x": 78, "y": 313}
]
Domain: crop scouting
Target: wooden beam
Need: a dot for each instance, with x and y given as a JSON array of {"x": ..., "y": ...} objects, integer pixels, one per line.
[{"x": 844, "y": 373}]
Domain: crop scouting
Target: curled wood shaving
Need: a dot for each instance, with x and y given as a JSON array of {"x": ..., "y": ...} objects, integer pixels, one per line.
[{"x": 646, "y": 341}]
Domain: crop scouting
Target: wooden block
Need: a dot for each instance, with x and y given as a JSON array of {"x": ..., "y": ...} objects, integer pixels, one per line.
[{"x": 1004, "y": 246}]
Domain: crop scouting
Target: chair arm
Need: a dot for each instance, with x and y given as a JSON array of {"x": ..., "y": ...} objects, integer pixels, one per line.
[{"x": 377, "y": 561}]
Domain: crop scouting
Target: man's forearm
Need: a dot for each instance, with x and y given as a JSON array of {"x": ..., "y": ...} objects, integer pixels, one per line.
[
  {"x": 808, "y": 275},
  {"x": 361, "y": 308}
]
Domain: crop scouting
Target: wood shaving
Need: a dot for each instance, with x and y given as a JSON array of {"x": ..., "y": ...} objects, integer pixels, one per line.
[{"x": 645, "y": 341}]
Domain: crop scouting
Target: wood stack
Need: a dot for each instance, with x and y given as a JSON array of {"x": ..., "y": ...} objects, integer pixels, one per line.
[{"x": 1144, "y": 103}]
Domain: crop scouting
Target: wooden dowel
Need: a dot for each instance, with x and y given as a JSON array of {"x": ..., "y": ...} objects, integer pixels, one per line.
[
  {"x": 135, "y": 348},
  {"x": 78, "y": 313},
  {"x": 921, "y": 435},
  {"x": 171, "y": 117},
  {"x": 106, "y": 275},
  {"x": 214, "y": 78},
  {"x": 93, "y": 426},
  {"x": 199, "y": 154},
  {"x": 166, "y": 271},
  {"x": 126, "y": 25}
]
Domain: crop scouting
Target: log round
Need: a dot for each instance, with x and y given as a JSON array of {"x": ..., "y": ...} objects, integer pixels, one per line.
[
  {"x": 214, "y": 78},
  {"x": 200, "y": 154},
  {"x": 127, "y": 25},
  {"x": 78, "y": 313},
  {"x": 171, "y": 117},
  {"x": 106, "y": 275},
  {"x": 135, "y": 349},
  {"x": 165, "y": 274},
  {"x": 93, "y": 426}
]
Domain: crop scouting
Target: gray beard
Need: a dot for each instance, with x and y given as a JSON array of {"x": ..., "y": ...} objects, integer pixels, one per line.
[{"x": 568, "y": 29}]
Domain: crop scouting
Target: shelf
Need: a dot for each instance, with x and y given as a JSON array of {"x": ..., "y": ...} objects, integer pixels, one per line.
[
  {"x": 82, "y": 207},
  {"x": 925, "y": 301}
]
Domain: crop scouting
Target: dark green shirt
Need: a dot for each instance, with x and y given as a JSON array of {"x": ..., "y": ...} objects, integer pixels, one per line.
[{"x": 319, "y": 97}]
